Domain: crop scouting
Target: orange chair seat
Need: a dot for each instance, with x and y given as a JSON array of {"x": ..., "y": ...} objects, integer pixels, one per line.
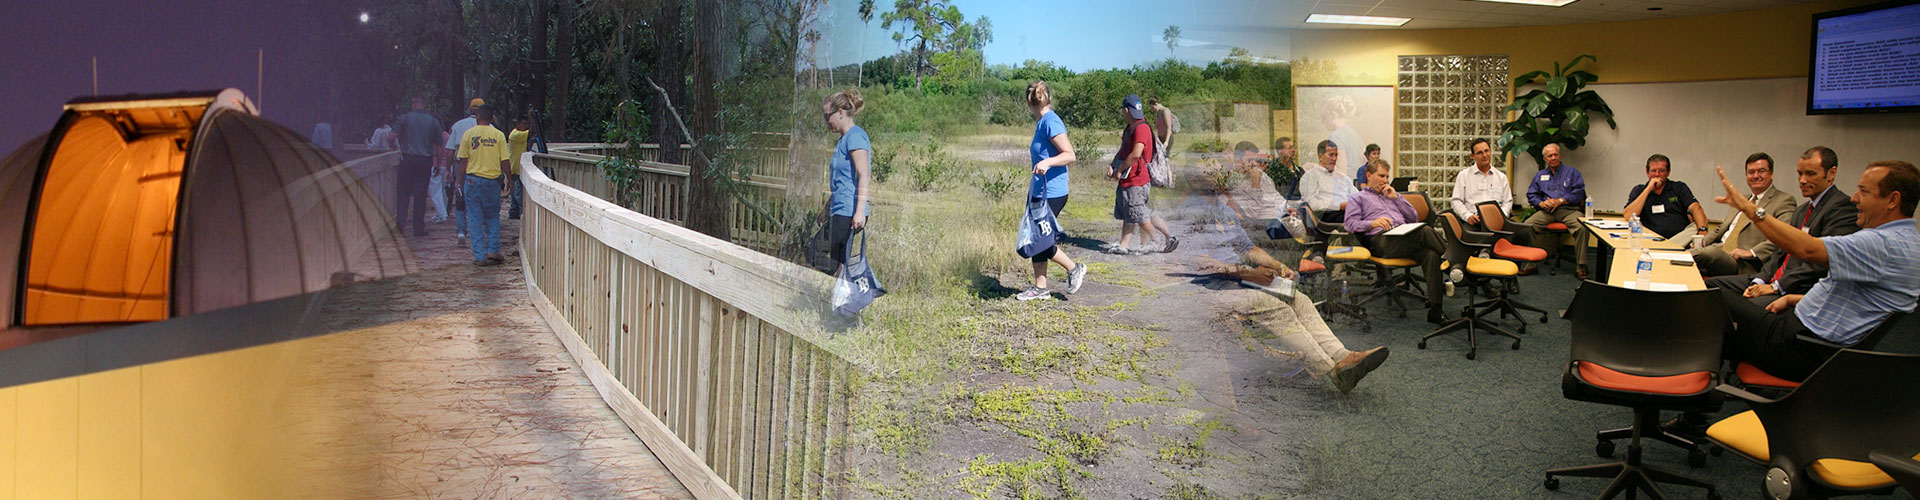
[
  {"x": 1309, "y": 266},
  {"x": 1744, "y": 434},
  {"x": 1505, "y": 250},
  {"x": 1753, "y": 375},
  {"x": 1556, "y": 226},
  {"x": 1679, "y": 385}
]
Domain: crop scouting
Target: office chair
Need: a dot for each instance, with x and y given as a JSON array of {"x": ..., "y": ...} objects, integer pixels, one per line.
[
  {"x": 1649, "y": 351},
  {"x": 1554, "y": 253},
  {"x": 1818, "y": 440},
  {"x": 1477, "y": 269},
  {"x": 1495, "y": 221},
  {"x": 1331, "y": 303},
  {"x": 1753, "y": 378},
  {"x": 1903, "y": 469},
  {"x": 1396, "y": 277}
]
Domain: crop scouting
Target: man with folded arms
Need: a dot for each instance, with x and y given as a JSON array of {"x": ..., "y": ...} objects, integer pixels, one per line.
[
  {"x": 1378, "y": 209},
  {"x": 1828, "y": 212},
  {"x": 1736, "y": 247},
  {"x": 1482, "y": 183}
]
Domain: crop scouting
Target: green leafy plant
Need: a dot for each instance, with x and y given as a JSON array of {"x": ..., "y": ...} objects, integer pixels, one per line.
[
  {"x": 883, "y": 165},
  {"x": 997, "y": 183},
  {"x": 933, "y": 164},
  {"x": 1558, "y": 113},
  {"x": 1211, "y": 145},
  {"x": 1282, "y": 173}
]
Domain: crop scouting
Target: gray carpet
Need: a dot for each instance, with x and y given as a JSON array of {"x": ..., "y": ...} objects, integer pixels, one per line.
[{"x": 1430, "y": 424}]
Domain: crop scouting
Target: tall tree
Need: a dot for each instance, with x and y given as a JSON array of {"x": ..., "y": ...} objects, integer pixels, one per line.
[
  {"x": 1172, "y": 37},
  {"x": 924, "y": 24},
  {"x": 564, "y": 22},
  {"x": 866, "y": 18},
  {"x": 813, "y": 62},
  {"x": 542, "y": 66},
  {"x": 669, "y": 70},
  {"x": 709, "y": 206}
]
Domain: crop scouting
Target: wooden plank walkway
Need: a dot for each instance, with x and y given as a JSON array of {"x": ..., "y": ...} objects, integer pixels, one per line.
[{"x": 459, "y": 390}]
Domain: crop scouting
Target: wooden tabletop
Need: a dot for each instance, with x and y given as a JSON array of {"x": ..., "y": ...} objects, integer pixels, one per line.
[{"x": 1621, "y": 243}]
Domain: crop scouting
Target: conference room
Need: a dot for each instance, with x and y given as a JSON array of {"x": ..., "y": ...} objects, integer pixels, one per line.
[{"x": 1640, "y": 142}]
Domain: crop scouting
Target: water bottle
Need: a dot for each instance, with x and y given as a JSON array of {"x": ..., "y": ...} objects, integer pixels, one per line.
[
  {"x": 1643, "y": 272},
  {"x": 1633, "y": 232},
  {"x": 1343, "y": 292},
  {"x": 1589, "y": 208}
]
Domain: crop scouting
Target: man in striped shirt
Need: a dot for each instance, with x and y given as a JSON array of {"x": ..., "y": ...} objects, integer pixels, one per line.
[{"x": 1871, "y": 274}]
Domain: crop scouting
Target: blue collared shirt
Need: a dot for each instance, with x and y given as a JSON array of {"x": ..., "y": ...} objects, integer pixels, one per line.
[
  {"x": 1870, "y": 274},
  {"x": 1564, "y": 183}
]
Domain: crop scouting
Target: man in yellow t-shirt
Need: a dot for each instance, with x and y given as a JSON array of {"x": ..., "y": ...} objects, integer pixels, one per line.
[
  {"x": 483, "y": 155},
  {"x": 516, "y": 147}
]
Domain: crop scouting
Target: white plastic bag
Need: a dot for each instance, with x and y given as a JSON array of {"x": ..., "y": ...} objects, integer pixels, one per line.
[{"x": 436, "y": 190}]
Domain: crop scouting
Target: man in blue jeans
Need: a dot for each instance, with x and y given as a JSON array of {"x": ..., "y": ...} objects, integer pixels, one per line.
[{"x": 483, "y": 155}]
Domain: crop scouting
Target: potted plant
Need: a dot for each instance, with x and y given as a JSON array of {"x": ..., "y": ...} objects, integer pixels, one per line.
[{"x": 1558, "y": 113}]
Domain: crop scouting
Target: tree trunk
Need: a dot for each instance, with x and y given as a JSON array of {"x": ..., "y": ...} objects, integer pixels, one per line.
[
  {"x": 919, "y": 62},
  {"x": 541, "y": 66},
  {"x": 563, "y": 73},
  {"x": 669, "y": 71},
  {"x": 709, "y": 207},
  {"x": 456, "y": 79}
]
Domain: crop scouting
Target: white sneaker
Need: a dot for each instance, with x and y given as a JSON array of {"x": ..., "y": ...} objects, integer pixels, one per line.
[
  {"x": 1076, "y": 277},
  {"x": 1033, "y": 293}
]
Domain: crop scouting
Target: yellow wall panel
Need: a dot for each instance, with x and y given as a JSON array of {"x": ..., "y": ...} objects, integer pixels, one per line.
[
  {"x": 219, "y": 413},
  {"x": 109, "y": 434},
  {"x": 47, "y": 427},
  {"x": 9, "y": 439}
]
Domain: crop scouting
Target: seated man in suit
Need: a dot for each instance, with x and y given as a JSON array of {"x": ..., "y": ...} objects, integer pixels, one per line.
[
  {"x": 1378, "y": 209},
  {"x": 1736, "y": 247},
  {"x": 1322, "y": 186},
  {"x": 1827, "y": 212},
  {"x": 1665, "y": 206}
]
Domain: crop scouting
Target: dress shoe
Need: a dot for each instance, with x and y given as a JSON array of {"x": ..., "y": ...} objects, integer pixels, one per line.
[
  {"x": 1348, "y": 372},
  {"x": 1436, "y": 316},
  {"x": 1581, "y": 273}
]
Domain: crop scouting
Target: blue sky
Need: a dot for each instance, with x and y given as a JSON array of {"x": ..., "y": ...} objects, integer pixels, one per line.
[{"x": 1077, "y": 34}]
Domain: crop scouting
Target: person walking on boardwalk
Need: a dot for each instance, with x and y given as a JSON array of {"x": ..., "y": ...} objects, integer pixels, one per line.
[
  {"x": 483, "y": 156},
  {"x": 419, "y": 135},
  {"x": 849, "y": 173}
]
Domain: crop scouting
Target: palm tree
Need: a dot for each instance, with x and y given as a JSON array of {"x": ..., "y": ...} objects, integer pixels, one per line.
[
  {"x": 813, "y": 64},
  {"x": 1172, "y": 36},
  {"x": 866, "y": 18}
]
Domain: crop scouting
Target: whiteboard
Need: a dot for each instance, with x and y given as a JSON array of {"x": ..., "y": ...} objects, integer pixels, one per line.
[
  {"x": 1703, "y": 124},
  {"x": 1359, "y": 115}
]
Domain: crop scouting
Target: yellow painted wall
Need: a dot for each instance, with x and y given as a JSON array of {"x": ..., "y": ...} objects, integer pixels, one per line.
[
  {"x": 1769, "y": 43},
  {"x": 214, "y": 426}
]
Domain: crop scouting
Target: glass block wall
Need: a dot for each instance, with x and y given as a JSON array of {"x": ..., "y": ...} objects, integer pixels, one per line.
[{"x": 1445, "y": 102}]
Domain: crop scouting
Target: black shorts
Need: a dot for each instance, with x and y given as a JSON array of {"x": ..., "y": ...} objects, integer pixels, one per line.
[
  {"x": 839, "y": 233},
  {"x": 1056, "y": 205}
]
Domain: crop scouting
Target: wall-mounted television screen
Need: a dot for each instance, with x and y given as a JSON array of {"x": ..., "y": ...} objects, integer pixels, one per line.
[{"x": 1866, "y": 59}]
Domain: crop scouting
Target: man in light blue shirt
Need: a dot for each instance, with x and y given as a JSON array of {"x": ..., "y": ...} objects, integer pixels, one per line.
[
  {"x": 1871, "y": 274},
  {"x": 1323, "y": 187}
]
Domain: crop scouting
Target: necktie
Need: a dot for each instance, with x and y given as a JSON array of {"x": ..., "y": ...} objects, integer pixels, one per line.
[
  {"x": 1732, "y": 238},
  {"x": 1777, "y": 273}
]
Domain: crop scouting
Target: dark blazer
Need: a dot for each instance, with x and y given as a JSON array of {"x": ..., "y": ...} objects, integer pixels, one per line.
[{"x": 1835, "y": 216}]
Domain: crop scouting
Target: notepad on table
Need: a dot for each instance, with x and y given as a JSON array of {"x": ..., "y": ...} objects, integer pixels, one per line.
[{"x": 1674, "y": 256}]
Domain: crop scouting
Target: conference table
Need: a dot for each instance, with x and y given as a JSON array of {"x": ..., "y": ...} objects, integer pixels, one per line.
[{"x": 1618, "y": 270}]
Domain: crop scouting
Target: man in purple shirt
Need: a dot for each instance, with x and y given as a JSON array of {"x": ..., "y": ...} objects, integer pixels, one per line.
[
  {"x": 1378, "y": 209},
  {"x": 1560, "y": 194}
]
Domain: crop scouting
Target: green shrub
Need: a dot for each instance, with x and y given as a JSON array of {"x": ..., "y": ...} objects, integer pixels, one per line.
[
  {"x": 933, "y": 165},
  {"x": 883, "y": 165},
  {"x": 997, "y": 183},
  {"x": 1212, "y": 145}
]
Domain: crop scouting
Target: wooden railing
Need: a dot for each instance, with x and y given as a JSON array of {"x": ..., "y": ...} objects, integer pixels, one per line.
[
  {"x": 712, "y": 353},
  {"x": 659, "y": 191}
]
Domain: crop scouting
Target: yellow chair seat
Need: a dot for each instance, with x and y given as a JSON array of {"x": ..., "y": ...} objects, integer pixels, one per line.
[
  {"x": 1744, "y": 434},
  {"x": 1358, "y": 254},
  {"x": 1492, "y": 267},
  {"x": 1392, "y": 262}
]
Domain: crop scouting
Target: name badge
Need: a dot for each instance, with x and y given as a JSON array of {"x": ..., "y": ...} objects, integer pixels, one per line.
[
  {"x": 1546, "y": 177},
  {"x": 1659, "y": 209}
]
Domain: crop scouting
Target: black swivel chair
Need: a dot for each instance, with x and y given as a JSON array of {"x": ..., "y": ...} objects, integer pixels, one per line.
[
  {"x": 1818, "y": 440},
  {"x": 1650, "y": 351},
  {"x": 1478, "y": 270},
  {"x": 1903, "y": 469},
  {"x": 1322, "y": 235},
  {"x": 1753, "y": 378},
  {"x": 1400, "y": 277}
]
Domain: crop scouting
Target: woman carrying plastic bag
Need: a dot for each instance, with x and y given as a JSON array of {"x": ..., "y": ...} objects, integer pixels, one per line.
[{"x": 1050, "y": 153}]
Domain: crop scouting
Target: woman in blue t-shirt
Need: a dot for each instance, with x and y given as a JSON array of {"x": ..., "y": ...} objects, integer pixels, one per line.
[
  {"x": 1050, "y": 154},
  {"x": 849, "y": 173}
]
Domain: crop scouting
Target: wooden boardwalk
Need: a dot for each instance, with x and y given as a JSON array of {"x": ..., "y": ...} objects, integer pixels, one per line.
[{"x": 459, "y": 389}]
